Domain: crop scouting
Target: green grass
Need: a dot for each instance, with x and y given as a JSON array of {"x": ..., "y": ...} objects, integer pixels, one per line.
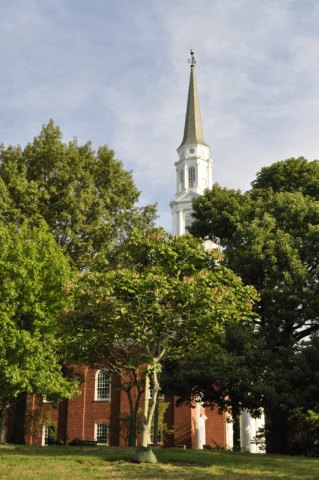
[{"x": 61, "y": 463}]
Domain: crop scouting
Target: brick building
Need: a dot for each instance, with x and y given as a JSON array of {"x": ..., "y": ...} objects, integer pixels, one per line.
[{"x": 94, "y": 415}]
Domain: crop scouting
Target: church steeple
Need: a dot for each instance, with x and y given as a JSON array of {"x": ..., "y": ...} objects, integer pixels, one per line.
[
  {"x": 193, "y": 131},
  {"x": 194, "y": 167}
]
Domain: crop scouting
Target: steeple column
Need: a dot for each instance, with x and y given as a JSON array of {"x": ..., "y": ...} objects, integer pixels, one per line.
[
  {"x": 186, "y": 176},
  {"x": 181, "y": 232}
]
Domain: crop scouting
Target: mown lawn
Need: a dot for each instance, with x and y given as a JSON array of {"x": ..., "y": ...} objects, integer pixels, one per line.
[{"x": 61, "y": 463}]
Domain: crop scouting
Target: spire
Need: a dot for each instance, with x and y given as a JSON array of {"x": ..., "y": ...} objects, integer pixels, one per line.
[{"x": 193, "y": 132}]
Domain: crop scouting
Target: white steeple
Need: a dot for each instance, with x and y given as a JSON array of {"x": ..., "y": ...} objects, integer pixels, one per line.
[{"x": 194, "y": 167}]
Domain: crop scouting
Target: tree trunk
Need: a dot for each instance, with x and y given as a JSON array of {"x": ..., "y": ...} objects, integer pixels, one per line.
[
  {"x": 3, "y": 418},
  {"x": 155, "y": 433},
  {"x": 132, "y": 435},
  {"x": 146, "y": 426},
  {"x": 277, "y": 432},
  {"x": 149, "y": 411},
  {"x": 236, "y": 426},
  {"x": 19, "y": 418}
]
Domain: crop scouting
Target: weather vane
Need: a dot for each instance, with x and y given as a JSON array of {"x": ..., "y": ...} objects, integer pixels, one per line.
[{"x": 192, "y": 60}]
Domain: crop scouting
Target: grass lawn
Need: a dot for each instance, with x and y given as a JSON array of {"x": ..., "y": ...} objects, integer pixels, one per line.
[{"x": 59, "y": 463}]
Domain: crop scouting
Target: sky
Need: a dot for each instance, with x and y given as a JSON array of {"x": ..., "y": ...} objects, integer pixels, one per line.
[{"x": 115, "y": 72}]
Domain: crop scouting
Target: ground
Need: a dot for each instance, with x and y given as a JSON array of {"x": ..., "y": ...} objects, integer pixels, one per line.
[{"x": 64, "y": 463}]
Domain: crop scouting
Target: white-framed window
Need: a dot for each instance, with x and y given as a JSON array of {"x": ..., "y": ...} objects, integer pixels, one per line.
[
  {"x": 159, "y": 437},
  {"x": 45, "y": 433},
  {"x": 102, "y": 385},
  {"x": 101, "y": 435},
  {"x": 191, "y": 177},
  {"x": 181, "y": 180}
]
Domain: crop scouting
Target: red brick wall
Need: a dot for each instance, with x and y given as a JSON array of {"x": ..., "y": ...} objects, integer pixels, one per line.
[{"x": 215, "y": 428}]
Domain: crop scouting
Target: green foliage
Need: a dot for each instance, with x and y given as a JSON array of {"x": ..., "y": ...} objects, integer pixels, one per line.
[
  {"x": 34, "y": 278},
  {"x": 157, "y": 288},
  {"x": 86, "y": 198},
  {"x": 270, "y": 237},
  {"x": 292, "y": 175},
  {"x": 225, "y": 382},
  {"x": 304, "y": 432}
]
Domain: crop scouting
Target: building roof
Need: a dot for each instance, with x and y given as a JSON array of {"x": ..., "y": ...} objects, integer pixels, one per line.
[{"x": 193, "y": 132}]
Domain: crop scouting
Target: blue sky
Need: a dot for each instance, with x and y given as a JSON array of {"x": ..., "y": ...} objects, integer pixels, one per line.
[{"x": 115, "y": 72}]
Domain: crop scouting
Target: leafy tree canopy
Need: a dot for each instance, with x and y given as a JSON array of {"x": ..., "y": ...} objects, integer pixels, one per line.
[
  {"x": 270, "y": 239},
  {"x": 34, "y": 277},
  {"x": 159, "y": 291},
  {"x": 86, "y": 198}
]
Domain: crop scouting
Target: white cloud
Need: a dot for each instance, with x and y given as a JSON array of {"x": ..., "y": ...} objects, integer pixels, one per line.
[{"x": 116, "y": 73}]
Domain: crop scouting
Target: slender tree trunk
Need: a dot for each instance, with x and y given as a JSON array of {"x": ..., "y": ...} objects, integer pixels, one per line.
[
  {"x": 236, "y": 425},
  {"x": 145, "y": 426},
  {"x": 132, "y": 435},
  {"x": 3, "y": 418},
  {"x": 156, "y": 421},
  {"x": 19, "y": 419},
  {"x": 149, "y": 410}
]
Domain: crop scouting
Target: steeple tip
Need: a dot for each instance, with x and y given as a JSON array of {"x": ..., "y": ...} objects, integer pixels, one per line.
[
  {"x": 192, "y": 60},
  {"x": 193, "y": 131}
]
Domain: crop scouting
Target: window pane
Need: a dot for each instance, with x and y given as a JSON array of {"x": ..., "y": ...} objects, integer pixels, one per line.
[
  {"x": 103, "y": 386},
  {"x": 102, "y": 433}
]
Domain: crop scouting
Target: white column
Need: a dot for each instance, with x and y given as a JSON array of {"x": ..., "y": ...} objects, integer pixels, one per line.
[
  {"x": 175, "y": 232},
  {"x": 229, "y": 435},
  {"x": 245, "y": 430},
  {"x": 252, "y": 434},
  {"x": 203, "y": 419},
  {"x": 180, "y": 230},
  {"x": 198, "y": 445}
]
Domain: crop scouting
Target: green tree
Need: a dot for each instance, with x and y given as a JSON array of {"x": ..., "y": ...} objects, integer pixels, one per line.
[
  {"x": 86, "y": 198},
  {"x": 163, "y": 292},
  {"x": 34, "y": 276},
  {"x": 270, "y": 237}
]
